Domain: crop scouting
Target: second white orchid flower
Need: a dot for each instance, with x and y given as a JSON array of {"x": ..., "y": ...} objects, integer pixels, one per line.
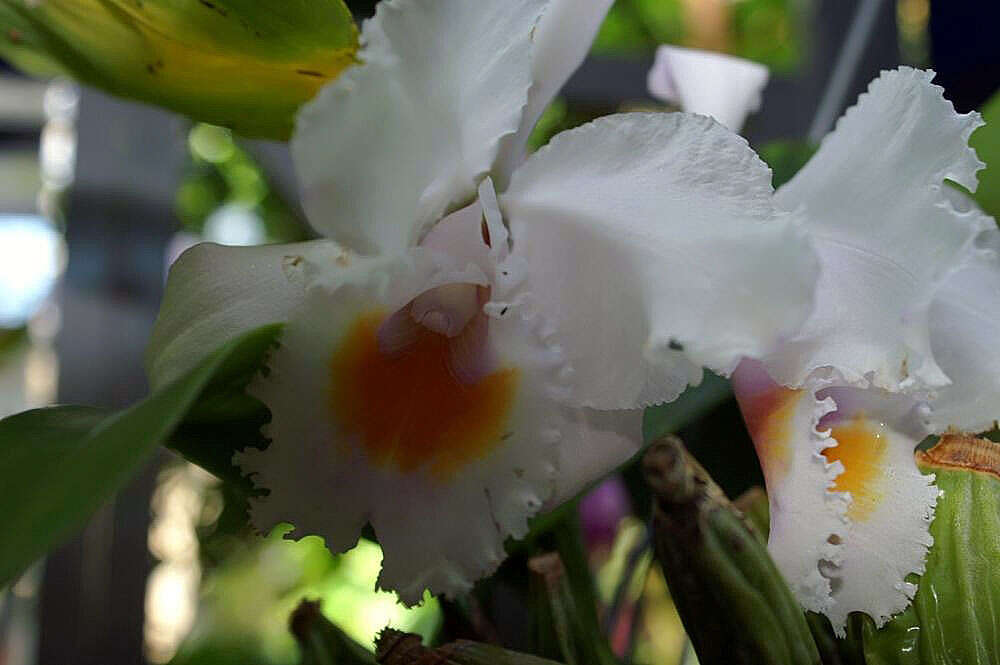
[
  {"x": 476, "y": 357},
  {"x": 902, "y": 344}
]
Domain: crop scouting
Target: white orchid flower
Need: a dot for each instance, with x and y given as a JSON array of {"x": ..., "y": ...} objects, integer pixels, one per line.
[
  {"x": 722, "y": 86},
  {"x": 477, "y": 357},
  {"x": 902, "y": 344}
]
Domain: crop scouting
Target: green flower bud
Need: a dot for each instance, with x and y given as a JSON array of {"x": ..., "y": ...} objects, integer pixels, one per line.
[{"x": 733, "y": 601}]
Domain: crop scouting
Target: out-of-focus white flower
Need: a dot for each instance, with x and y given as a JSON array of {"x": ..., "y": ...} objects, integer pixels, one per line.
[
  {"x": 714, "y": 84},
  {"x": 474, "y": 356},
  {"x": 902, "y": 343}
]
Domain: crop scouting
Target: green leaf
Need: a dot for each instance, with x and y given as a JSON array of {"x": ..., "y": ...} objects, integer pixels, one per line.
[
  {"x": 244, "y": 64},
  {"x": 786, "y": 158},
  {"x": 955, "y": 616},
  {"x": 60, "y": 464},
  {"x": 986, "y": 141}
]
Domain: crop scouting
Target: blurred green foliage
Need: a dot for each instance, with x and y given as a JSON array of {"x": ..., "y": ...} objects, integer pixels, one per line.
[
  {"x": 785, "y": 159},
  {"x": 247, "y": 600},
  {"x": 986, "y": 141},
  {"x": 639, "y": 26},
  {"x": 11, "y": 339},
  {"x": 221, "y": 173},
  {"x": 558, "y": 117},
  {"x": 768, "y": 31}
]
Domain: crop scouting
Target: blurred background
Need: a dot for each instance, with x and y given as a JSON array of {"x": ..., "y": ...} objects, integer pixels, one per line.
[{"x": 99, "y": 195}]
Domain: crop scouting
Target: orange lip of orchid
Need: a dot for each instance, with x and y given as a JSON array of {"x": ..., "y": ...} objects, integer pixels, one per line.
[
  {"x": 409, "y": 410},
  {"x": 861, "y": 448}
]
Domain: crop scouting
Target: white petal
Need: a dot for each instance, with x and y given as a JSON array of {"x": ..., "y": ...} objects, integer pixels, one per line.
[
  {"x": 806, "y": 514},
  {"x": 885, "y": 232},
  {"x": 395, "y": 143},
  {"x": 638, "y": 232},
  {"x": 214, "y": 293},
  {"x": 726, "y": 88},
  {"x": 846, "y": 546},
  {"x": 596, "y": 443},
  {"x": 965, "y": 339},
  {"x": 561, "y": 42},
  {"x": 440, "y": 513}
]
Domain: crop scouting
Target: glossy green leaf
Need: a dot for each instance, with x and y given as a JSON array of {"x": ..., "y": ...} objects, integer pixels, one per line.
[
  {"x": 244, "y": 64},
  {"x": 60, "y": 464},
  {"x": 955, "y": 616}
]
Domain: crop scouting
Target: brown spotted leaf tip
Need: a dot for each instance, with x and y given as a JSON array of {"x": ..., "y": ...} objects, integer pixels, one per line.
[{"x": 956, "y": 450}]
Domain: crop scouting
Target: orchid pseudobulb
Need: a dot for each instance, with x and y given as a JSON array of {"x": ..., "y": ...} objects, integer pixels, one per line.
[
  {"x": 484, "y": 347},
  {"x": 901, "y": 344}
]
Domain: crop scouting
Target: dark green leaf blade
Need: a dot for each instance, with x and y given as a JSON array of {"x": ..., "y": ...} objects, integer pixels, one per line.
[{"x": 61, "y": 464}]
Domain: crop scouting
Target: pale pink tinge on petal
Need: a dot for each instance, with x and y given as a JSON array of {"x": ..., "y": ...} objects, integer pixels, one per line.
[
  {"x": 447, "y": 309},
  {"x": 469, "y": 355},
  {"x": 460, "y": 235},
  {"x": 768, "y": 410},
  {"x": 398, "y": 331}
]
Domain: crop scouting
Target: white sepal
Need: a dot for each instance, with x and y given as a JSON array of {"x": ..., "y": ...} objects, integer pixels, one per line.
[
  {"x": 561, "y": 41},
  {"x": 887, "y": 235},
  {"x": 397, "y": 142}
]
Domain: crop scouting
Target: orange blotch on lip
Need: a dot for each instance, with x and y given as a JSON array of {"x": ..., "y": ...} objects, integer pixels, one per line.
[
  {"x": 408, "y": 410},
  {"x": 861, "y": 448},
  {"x": 768, "y": 416}
]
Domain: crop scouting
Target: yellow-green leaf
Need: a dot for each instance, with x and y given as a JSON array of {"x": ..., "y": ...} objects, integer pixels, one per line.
[{"x": 245, "y": 64}]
